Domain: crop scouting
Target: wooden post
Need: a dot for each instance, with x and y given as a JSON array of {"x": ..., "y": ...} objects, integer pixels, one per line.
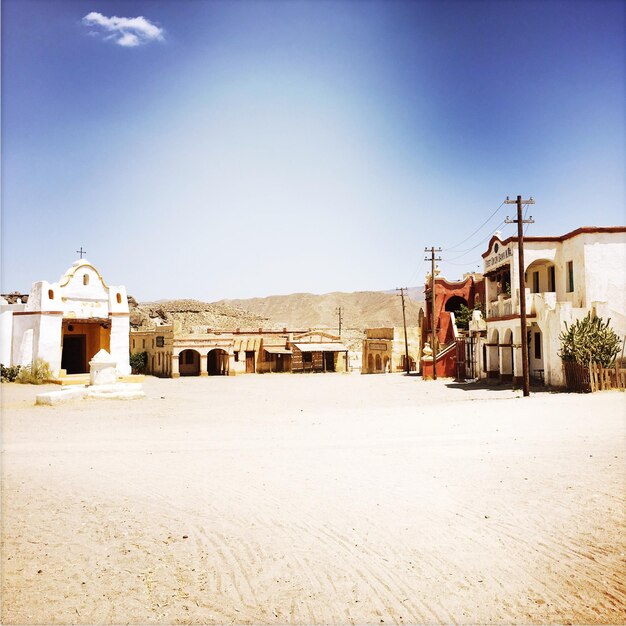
[{"x": 522, "y": 286}]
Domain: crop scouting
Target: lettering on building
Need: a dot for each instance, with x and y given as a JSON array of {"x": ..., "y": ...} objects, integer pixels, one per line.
[{"x": 498, "y": 258}]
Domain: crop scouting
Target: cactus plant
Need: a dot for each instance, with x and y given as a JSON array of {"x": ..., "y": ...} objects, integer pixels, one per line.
[{"x": 589, "y": 340}]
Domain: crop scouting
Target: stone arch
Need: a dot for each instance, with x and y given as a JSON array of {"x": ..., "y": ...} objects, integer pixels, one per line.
[
  {"x": 493, "y": 352},
  {"x": 541, "y": 276},
  {"x": 217, "y": 362},
  {"x": 454, "y": 303},
  {"x": 506, "y": 355},
  {"x": 189, "y": 363}
]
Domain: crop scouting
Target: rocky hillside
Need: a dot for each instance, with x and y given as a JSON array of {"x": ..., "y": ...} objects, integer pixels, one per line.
[
  {"x": 298, "y": 311},
  {"x": 360, "y": 310},
  {"x": 192, "y": 315}
]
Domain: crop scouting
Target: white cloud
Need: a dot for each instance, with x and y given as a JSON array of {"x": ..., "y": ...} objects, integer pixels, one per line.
[{"x": 125, "y": 31}]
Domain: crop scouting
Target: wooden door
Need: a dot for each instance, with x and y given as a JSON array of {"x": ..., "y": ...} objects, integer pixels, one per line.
[{"x": 250, "y": 362}]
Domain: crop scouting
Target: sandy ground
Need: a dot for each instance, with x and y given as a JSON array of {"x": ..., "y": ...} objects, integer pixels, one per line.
[{"x": 315, "y": 499}]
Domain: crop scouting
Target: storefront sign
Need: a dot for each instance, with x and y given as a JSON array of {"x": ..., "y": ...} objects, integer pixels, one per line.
[{"x": 499, "y": 256}]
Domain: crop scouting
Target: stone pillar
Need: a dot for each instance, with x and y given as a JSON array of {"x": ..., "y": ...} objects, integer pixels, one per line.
[
  {"x": 203, "y": 365},
  {"x": 175, "y": 370}
]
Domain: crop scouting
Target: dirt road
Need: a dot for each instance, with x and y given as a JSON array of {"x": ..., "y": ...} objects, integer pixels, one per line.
[{"x": 315, "y": 499}]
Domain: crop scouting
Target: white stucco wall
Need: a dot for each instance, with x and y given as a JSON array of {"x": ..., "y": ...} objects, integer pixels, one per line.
[
  {"x": 80, "y": 293},
  {"x": 605, "y": 270},
  {"x": 599, "y": 267}
]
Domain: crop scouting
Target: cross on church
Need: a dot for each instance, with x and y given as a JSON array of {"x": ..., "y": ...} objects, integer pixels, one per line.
[{"x": 81, "y": 252}]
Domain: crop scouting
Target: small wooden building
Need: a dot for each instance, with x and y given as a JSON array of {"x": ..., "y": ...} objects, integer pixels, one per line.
[{"x": 316, "y": 351}]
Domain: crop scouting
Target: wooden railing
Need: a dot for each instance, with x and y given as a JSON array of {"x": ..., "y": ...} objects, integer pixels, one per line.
[{"x": 606, "y": 378}]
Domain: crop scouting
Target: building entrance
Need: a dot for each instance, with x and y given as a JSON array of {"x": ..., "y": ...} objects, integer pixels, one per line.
[{"x": 74, "y": 355}]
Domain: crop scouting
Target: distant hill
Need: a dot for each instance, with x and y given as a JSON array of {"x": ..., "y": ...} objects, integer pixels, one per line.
[
  {"x": 192, "y": 315},
  {"x": 297, "y": 311},
  {"x": 360, "y": 309}
]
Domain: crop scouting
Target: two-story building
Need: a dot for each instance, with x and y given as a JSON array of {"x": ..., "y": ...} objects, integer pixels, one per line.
[{"x": 566, "y": 277}]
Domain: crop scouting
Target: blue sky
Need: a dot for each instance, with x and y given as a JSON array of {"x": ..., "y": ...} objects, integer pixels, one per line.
[{"x": 240, "y": 149}]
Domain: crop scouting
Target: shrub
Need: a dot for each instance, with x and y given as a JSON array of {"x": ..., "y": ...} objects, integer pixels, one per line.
[
  {"x": 8, "y": 373},
  {"x": 590, "y": 339},
  {"x": 138, "y": 362},
  {"x": 463, "y": 316},
  {"x": 36, "y": 373}
]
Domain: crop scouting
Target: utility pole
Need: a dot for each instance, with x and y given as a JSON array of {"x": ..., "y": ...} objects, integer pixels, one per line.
[
  {"x": 433, "y": 317},
  {"x": 338, "y": 311},
  {"x": 406, "y": 341},
  {"x": 520, "y": 221}
]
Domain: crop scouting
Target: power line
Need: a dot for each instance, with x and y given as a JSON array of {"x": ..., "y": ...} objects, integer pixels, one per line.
[{"x": 477, "y": 230}]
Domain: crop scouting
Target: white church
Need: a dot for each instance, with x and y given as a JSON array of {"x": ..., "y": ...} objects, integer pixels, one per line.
[{"x": 67, "y": 322}]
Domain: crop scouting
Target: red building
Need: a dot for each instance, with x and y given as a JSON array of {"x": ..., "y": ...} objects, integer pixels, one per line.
[{"x": 449, "y": 296}]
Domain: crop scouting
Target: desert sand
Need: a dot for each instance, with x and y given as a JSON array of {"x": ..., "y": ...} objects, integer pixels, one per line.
[{"x": 314, "y": 499}]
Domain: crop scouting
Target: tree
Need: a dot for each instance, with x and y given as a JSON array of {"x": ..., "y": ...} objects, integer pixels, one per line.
[
  {"x": 138, "y": 362},
  {"x": 590, "y": 339},
  {"x": 462, "y": 316}
]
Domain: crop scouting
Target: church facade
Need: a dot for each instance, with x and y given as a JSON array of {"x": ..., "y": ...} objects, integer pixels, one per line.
[{"x": 67, "y": 322}]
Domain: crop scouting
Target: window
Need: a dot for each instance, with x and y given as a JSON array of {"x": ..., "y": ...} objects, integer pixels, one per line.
[
  {"x": 570, "y": 276},
  {"x": 537, "y": 345},
  {"x": 535, "y": 282},
  {"x": 551, "y": 279},
  {"x": 236, "y": 356},
  {"x": 143, "y": 343},
  {"x": 118, "y": 297},
  {"x": 50, "y": 294},
  {"x": 307, "y": 357},
  {"x": 85, "y": 279},
  {"x": 160, "y": 342}
]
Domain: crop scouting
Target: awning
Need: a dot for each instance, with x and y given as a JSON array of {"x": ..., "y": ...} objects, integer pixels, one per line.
[
  {"x": 276, "y": 350},
  {"x": 247, "y": 344},
  {"x": 321, "y": 347}
]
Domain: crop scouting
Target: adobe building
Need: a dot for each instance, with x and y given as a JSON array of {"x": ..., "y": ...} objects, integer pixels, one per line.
[
  {"x": 67, "y": 322},
  {"x": 384, "y": 350},
  {"x": 449, "y": 296},
  {"x": 566, "y": 278},
  {"x": 172, "y": 353}
]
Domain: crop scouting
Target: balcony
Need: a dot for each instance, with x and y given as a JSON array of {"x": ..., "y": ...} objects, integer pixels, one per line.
[{"x": 503, "y": 305}]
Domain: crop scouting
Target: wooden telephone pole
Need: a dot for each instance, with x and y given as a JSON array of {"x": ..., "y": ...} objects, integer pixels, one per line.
[
  {"x": 520, "y": 221},
  {"x": 338, "y": 311},
  {"x": 406, "y": 341},
  {"x": 433, "y": 316}
]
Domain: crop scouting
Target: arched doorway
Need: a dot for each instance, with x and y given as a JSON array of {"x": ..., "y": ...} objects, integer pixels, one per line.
[
  {"x": 370, "y": 363},
  {"x": 506, "y": 356},
  {"x": 379, "y": 363},
  {"x": 454, "y": 303},
  {"x": 217, "y": 362},
  {"x": 493, "y": 355},
  {"x": 189, "y": 363},
  {"x": 536, "y": 353}
]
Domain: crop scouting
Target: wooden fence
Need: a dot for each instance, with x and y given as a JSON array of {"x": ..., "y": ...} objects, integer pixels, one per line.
[{"x": 604, "y": 379}]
